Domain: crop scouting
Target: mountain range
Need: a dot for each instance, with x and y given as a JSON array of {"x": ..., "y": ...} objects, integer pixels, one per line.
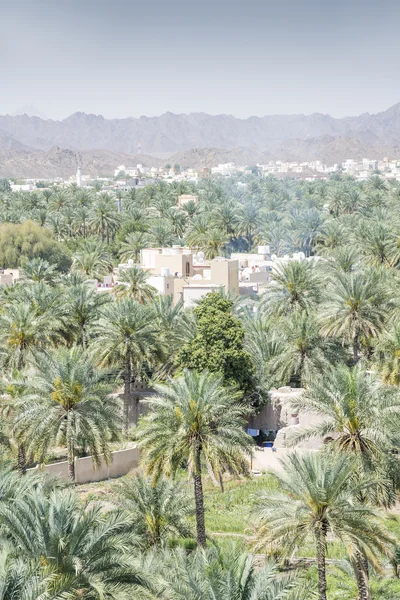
[{"x": 31, "y": 146}]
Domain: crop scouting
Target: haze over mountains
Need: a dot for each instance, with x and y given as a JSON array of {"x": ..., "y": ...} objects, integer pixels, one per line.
[{"x": 34, "y": 147}]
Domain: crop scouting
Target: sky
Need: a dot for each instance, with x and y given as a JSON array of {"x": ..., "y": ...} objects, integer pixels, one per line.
[{"x": 123, "y": 58}]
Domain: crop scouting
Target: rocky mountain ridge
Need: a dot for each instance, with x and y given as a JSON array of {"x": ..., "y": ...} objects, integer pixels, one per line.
[{"x": 34, "y": 147}]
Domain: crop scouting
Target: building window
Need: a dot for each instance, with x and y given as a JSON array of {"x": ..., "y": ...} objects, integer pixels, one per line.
[{"x": 187, "y": 269}]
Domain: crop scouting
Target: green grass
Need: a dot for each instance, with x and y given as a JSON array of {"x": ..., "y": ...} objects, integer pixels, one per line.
[{"x": 228, "y": 511}]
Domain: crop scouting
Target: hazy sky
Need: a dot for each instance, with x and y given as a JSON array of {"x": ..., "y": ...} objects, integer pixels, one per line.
[{"x": 245, "y": 57}]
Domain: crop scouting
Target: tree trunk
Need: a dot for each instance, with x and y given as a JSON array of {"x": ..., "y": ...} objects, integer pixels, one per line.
[
  {"x": 21, "y": 459},
  {"x": 199, "y": 501},
  {"x": 320, "y": 536},
  {"x": 137, "y": 411},
  {"x": 355, "y": 349},
  {"x": 127, "y": 393},
  {"x": 71, "y": 458},
  {"x": 361, "y": 572},
  {"x": 221, "y": 482}
]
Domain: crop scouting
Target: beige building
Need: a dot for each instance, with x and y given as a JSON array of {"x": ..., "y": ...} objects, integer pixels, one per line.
[
  {"x": 9, "y": 276},
  {"x": 179, "y": 272},
  {"x": 175, "y": 261}
]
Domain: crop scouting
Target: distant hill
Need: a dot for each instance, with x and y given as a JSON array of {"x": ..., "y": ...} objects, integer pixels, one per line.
[
  {"x": 192, "y": 140},
  {"x": 59, "y": 162}
]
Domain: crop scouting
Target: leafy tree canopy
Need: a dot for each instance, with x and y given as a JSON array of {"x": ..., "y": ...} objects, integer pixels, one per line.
[
  {"x": 218, "y": 345},
  {"x": 20, "y": 243}
]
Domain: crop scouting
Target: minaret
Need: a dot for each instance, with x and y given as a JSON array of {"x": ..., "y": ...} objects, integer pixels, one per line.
[
  {"x": 79, "y": 177},
  {"x": 139, "y": 147}
]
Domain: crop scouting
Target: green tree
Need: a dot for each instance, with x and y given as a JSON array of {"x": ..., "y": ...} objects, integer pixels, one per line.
[
  {"x": 358, "y": 416},
  {"x": 38, "y": 270},
  {"x": 303, "y": 351},
  {"x": 133, "y": 284},
  {"x": 296, "y": 287},
  {"x": 355, "y": 308},
  {"x": 216, "y": 575},
  {"x": 22, "y": 242},
  {"x": 104, "y": 219},
  {"x": 192, "y": 418},
  {"x": 133, "y": 244},
  {"x": 5, "y": 186},
  {"x": 92, "y": 259},
  {"x": 127, "y": 338},
  {"x": 218, "y": 345},
  {"x": 83, "y": 310},
  {"x": 315, "y": 498},
  {"x": 82, "y": 546},
  {"x": 157, "y": 511},
  {"x": 68, "y": 402}
]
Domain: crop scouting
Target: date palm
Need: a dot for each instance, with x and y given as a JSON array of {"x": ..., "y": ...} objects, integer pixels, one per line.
[
  {"x": 157, "y": 511},
  {"x": 68, "y": 402},
  {"x": 361, "y": 417},
  {"x": 92, "y": 259},
  {"x": 316, "y": 498},
  {"x": 387, "y": 355},
  {"x": 39, "y": 270},
  {"x": 133, "y": 284},
  {"x": 133, "y": 244},
  {"x": 82, "y": 547},
  {"x": 23, "y": 333},
  {"x": 83, "y": 304},
  {"x": 356, "y": 307},
  {"x": 20, "y": 580},
  {"x": 194, "y": 418},
  {"x": 232, "y": 575},
  {"x": 303, "y": 351},
  {"x": 104, "y": 218},
  {"x": 296, "y": 287},
  {"x": 127, "y": 338}
]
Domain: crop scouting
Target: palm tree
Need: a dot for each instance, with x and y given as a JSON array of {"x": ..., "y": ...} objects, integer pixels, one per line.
[
  {"x": 213, "y": 243},
  {"x": 225, "y": 218},
  {"x": 249, "y": 219},
  {"x": 315, "y": 498},
  {"x": 192, "y": 418},
  {"x": 20, "y": 580},
  {"x": 213, "y": 575},
  {"x": 387, "y": 355},
  {"x": 295, "y": 287},
  {"x": 104, "y": 219},
  {"x": 161, "y": 234},
  {"x": 133, "y": 284},
  {"x": 157, "y": 511},
  {"x": 83, "y": 304},
  {"x": 82, "y": 546},
  {"x": 68, "y": 401},
  {"x": 40, "y": 270},
  {"x": 133, "y": 244},
  {"x": 356, "y": 307},
  {"x": 358, "y": 416},
  {"x": 92, "y": 259},
  {"x": 376, "y": 243},
  {"x": 23, "y": 333},
  {"x": 127, "y": 338},
  {"x": 303, "y": 351}
]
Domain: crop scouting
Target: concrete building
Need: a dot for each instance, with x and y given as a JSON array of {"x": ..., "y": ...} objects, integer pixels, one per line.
[
  {"x": 9, "y": 276},
  {"x": 176, "y": 261},
  {"x": 178, "y": 272}
]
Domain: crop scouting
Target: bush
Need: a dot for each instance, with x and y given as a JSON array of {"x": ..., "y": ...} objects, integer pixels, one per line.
[{"x": 22, "y": 242}]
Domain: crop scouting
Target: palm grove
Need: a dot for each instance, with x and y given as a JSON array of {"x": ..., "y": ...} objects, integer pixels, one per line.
[{"x": 330, "y": 324}]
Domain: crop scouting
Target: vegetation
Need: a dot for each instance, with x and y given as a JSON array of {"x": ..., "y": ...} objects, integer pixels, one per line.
[{"x": 73, "y": 362}]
